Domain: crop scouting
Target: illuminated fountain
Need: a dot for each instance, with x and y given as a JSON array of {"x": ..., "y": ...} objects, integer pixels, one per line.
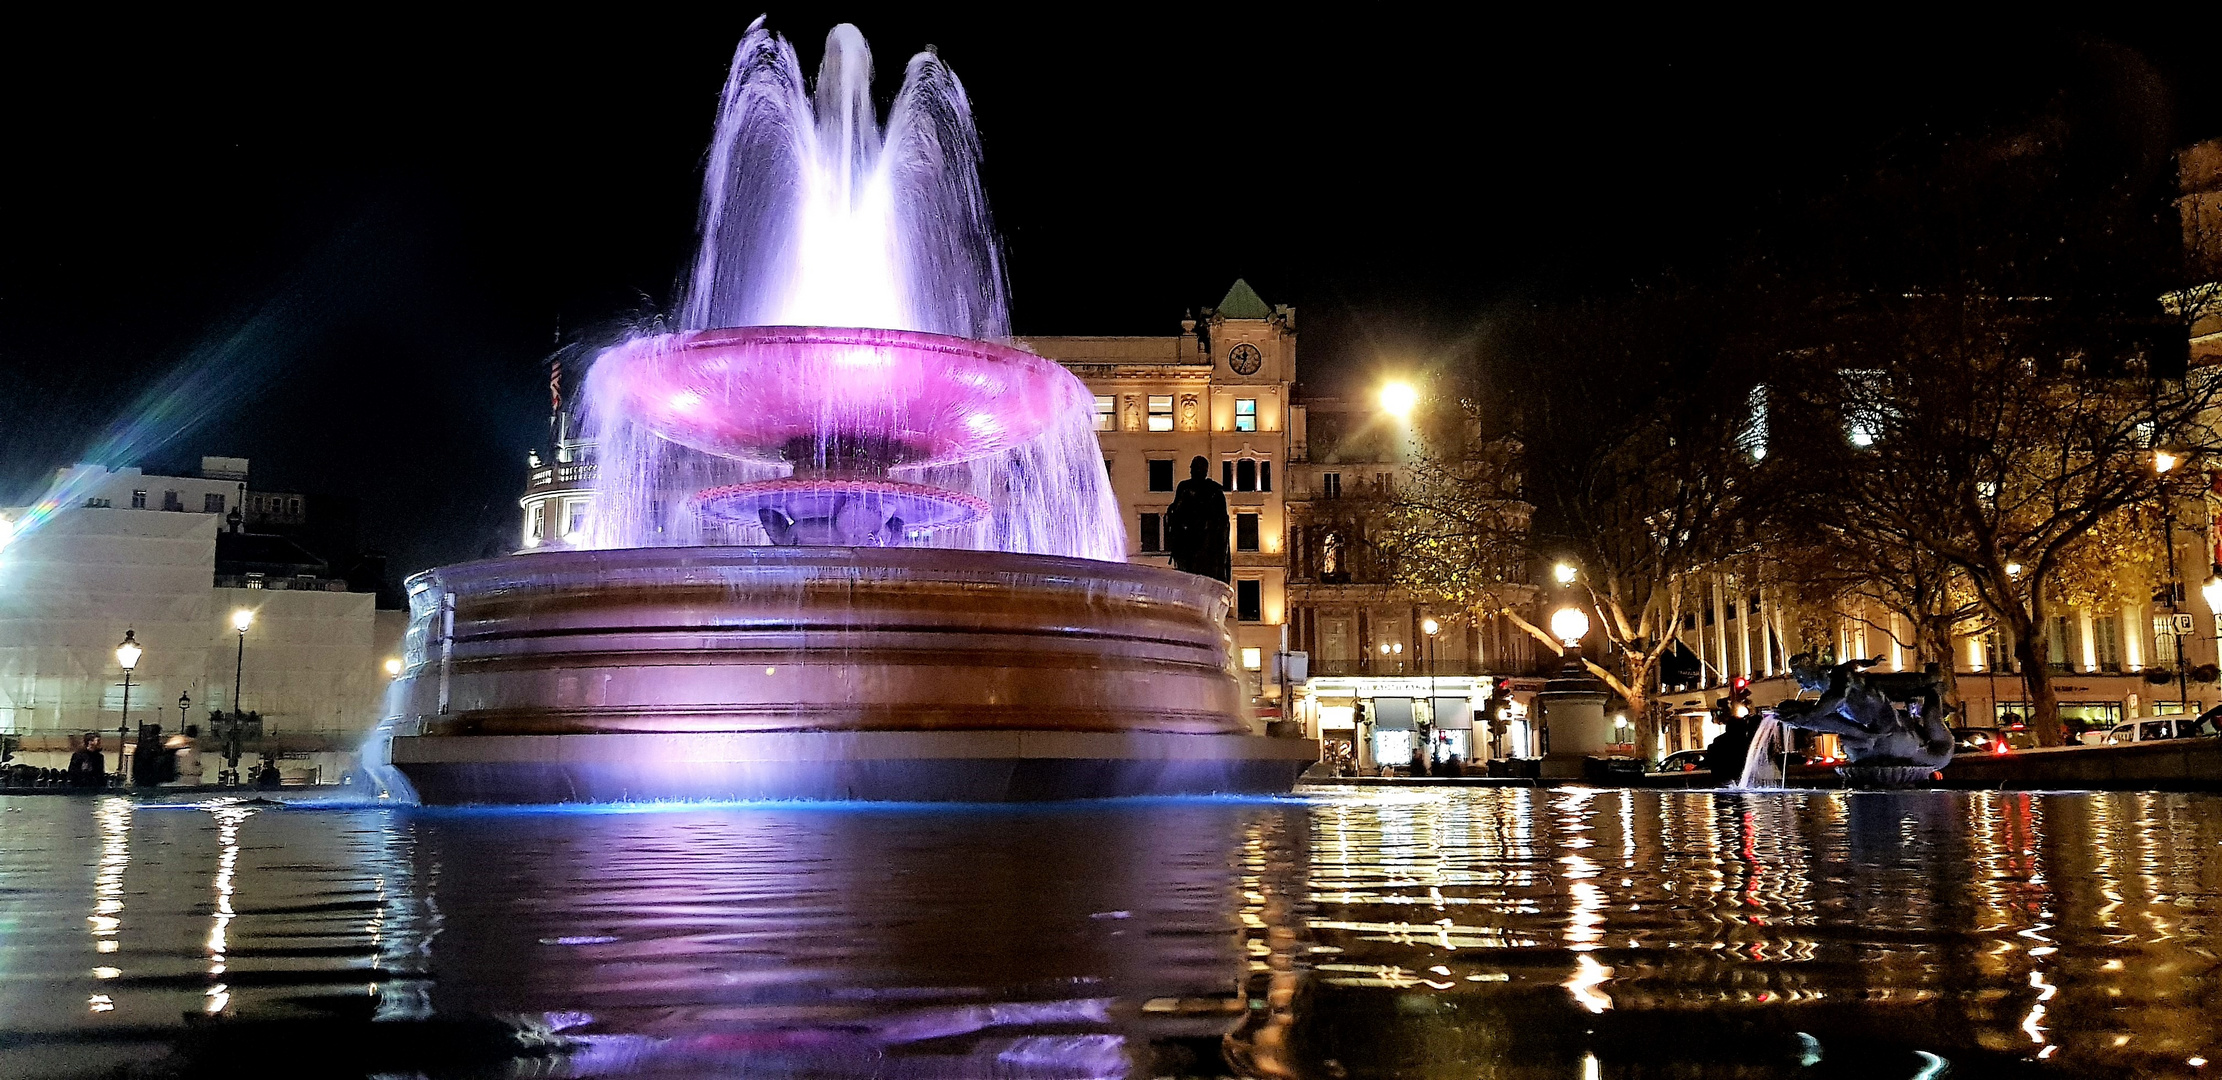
[{"x": 845, "y": 544}]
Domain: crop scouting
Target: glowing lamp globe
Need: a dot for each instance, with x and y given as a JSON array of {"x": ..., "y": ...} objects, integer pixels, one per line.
[
  {"x": 1569, "y": 625},
  {"x": 1399, "y": 398},
  {"x": 127, "y": 654},
  {"x": 242, "y": 619}
]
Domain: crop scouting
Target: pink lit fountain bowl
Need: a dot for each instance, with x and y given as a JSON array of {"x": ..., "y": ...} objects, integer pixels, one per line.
[{"x": 875, "y": 399}]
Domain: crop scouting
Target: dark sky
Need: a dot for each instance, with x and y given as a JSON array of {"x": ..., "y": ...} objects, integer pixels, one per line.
[{"x": 344, "y": 249}]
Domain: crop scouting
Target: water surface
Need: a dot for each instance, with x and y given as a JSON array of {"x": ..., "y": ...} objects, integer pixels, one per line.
[{"x": 1473, "y": 933}]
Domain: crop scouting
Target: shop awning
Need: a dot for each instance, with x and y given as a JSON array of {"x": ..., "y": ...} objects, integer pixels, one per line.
[
  {"x": 1454, "y": 714},
  {"x": 1392, "y": 714}
]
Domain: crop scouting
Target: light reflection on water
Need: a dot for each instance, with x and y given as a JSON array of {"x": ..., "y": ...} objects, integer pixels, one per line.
[{"x": 1495, "y": 933}]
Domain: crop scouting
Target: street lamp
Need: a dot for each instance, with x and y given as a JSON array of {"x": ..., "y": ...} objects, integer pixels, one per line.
[
  {"x": 127, "y": 655},
  {"x": 1565, "y": 573},
  {"x": 1430, "y": 627},
  {"x": 1399, "y": 398},
  {"x": 393, "y": 667},
  {"x": 1570, "y": 626},
  {"x": 2163, "y": 462},
  {"x": 240, "y": 621}
]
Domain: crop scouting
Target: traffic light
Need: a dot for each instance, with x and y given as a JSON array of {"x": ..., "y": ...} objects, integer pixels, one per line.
[{"x": 1739, "y": 693}]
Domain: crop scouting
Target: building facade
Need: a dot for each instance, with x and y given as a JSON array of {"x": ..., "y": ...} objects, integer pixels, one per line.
[
  {"x": 1220, "y": 390},
  {"x": 168, "y": 559}
]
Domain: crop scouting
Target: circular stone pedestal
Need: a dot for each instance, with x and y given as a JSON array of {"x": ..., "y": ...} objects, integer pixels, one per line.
[{"x": 839, "y": 673}]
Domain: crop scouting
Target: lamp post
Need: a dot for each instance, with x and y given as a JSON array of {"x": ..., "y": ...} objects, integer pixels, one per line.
[
  {"x": 184, "y": 704},
  {"x": 1430, "y": 628},
  {"x": 127, "y": 655},
  {"x": 240, "y": 621},
  {"x": 2164, "y": 462}
]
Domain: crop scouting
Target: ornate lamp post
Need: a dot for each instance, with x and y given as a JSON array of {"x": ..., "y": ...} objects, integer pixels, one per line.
[
  {"x": 1430, "y": 628},
  {"x": 127, "y": 656},
  {"x": 240, "y": 621}
]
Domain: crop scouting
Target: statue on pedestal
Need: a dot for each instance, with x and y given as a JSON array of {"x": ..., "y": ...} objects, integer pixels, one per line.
[{"x": 1196, "y": 525}]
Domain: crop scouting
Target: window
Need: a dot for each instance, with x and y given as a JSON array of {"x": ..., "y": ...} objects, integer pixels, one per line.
[
  {"x": 1161, "y": 412},
  {"x": 1226, "y": 474},
  {"x": 170, "y": 501},
  {"x": 138, "y": 500},
  {"x": 293, "y": 507},
  {"x": 1245, "y": 414},
  {"x": 574, "y": 517},
  {"x": 212, "y": 503},
  {"x": 1107, "y": 413},
  {"x": 1245, "y": 475},
  {"x": 1253, "y": 659},
  {"x": 1161, "y": 475},
  {"x": 1245, "y": 532},
  {"x": 1330, "y": 485},
  {"x": 1153, "y": 533},
  {"x": 1265, "y": 476},
  {"x": 536, "y": 524},
  {"x": 1246, "y": 606}
]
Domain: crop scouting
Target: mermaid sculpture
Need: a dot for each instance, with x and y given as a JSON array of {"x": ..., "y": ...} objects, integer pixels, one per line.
[{"x": 1892, "y": 725}]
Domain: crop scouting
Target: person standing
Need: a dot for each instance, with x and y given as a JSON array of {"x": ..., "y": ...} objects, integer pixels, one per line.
[
  {"x": 88, "y": 767},
  {"x": 1196, "y": 525}
]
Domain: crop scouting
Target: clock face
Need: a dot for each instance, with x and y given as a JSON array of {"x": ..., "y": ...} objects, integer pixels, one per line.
[{"x": 1245, "y": 358}]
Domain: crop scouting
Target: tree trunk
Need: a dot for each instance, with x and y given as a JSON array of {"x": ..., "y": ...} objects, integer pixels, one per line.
[
  {"x": 2036, "y": 677},
  {"x": 1933, "y": 645}
]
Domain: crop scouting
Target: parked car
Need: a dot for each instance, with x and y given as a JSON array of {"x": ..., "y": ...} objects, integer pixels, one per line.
[
  {"x": 1992, "y": 740},
  {"x": 1683, "y": 761},
  {"x": 2153, "y": 728}
]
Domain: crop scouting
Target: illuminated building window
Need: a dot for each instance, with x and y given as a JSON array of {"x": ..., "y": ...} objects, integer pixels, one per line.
[
  {"x": 1253, "y": 659},
  {"x": 1247, "y": 606},
  {"x": 1107, "y": 413},
  {"x": 1245, "y": 414},
  {"x": 1161, "y": 412}
]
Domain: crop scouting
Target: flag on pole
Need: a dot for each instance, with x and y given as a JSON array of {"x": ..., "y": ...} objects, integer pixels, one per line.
[{"x": 555, "y": 385}]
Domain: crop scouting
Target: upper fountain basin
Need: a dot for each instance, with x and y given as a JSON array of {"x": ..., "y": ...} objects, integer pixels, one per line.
[{"x": 870, "y": 398}]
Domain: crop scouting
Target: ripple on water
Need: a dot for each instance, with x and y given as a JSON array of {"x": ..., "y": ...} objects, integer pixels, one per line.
[{"x": 1497, "y": 932}]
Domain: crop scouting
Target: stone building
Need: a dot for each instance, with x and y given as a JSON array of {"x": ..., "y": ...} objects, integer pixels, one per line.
[
  {"x": 169, "y": 559},
  {"x": 1220, "y": 390}
]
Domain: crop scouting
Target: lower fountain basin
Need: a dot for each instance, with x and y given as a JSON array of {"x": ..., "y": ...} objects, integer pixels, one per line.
[{"x": 864, "y": 673}]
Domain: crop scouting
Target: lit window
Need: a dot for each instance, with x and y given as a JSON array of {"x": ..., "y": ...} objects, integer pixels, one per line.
[
  {"x": 1245, "y": 532},
  {"x": 536, "y": 524},
  {"x": 1245, "y": 414},
  {"x": 574, "y": 518},
  {"x": 1253, "y": 659},
  {"x": 1161, "y": 412},
  {"x": 1161, "y": 475},
  {"x": 1153, "y": 533},
  {"x": 1107, "y": 413}
]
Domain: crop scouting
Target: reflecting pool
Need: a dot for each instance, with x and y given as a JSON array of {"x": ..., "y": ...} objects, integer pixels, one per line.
[{"x": 1474, "y": 933}]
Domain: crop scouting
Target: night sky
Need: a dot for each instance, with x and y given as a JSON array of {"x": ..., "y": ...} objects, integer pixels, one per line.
[{"x": 346, "y": 250}]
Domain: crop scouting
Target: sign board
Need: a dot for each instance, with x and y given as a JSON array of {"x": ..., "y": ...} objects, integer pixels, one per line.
[{"x": 2185, "y": 627}]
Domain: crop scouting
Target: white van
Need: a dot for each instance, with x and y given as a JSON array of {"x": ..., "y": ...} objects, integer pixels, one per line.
[{"x": 2163, "y": 727}]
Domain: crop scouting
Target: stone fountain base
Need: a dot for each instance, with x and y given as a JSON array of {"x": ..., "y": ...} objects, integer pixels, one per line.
[{"x": 822, "y": 673}]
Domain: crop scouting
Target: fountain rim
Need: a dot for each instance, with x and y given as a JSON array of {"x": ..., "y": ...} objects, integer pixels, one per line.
[{"x": 536, "y": 568}]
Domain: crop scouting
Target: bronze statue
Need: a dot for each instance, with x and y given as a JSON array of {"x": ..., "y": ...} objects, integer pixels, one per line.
[
  {"x": 1196, "y": 525},
  {"x": 1892, "y": 725}
]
